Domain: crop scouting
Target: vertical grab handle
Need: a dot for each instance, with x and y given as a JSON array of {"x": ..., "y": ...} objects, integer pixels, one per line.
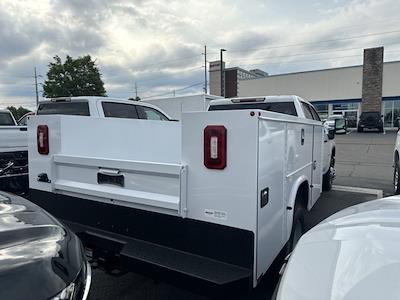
[{"x": 302, "y": 136}]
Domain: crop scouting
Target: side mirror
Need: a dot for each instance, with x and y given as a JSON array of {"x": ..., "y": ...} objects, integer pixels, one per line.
[{"x": 331, "y": 133}]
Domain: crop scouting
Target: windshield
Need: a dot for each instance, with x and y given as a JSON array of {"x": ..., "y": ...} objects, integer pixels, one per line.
[
  {"x": 286, "y": 108},
  {"x": 369, "y": 115},
  {"x": 64, "y": 108},
  {"x": 6, "y": 119}
]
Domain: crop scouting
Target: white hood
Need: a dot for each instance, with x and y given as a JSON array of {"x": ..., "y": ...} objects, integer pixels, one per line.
[{"x": 354, "y": 254}]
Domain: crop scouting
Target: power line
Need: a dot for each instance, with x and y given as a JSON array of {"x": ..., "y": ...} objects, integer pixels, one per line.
[
  {"x": 301, "y": 54},
  {"x": 174, "y": 90},
  {"x": 171, "y": 74},
  {"x": 318, "y": 59},
  {"x": 315, "y": 42},
  {"x": 164, "y": 62}
]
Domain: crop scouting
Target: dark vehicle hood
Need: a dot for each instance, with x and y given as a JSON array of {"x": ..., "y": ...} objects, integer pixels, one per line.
[{"x": 39, "y": 257}]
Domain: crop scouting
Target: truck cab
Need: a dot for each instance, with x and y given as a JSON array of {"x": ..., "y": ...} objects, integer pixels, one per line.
[
  {"x": 289, "y": 105},
  {"x": 101, "y": 107}
]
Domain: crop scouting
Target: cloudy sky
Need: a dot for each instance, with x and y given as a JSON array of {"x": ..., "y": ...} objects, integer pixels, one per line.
[{"x": 159, "y": 44}]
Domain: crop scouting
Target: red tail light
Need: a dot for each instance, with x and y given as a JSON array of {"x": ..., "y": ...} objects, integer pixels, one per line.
[
  {"x": 215, "y": 147},
  {"x": 43, "y": 139}
]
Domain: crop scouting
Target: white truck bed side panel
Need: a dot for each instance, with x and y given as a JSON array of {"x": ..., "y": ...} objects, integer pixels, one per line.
[
  {"x": 225, "y": 196},
  {"x": 141, "y": 140},
  {"x": 271, "y": 163},
  {"x": 82, "y": 148}
]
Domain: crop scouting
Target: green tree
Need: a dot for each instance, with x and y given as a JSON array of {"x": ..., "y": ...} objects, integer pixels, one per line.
[
  {"x": 18, "y": 112},
  {"x": 137, "y": 98},
  {"x": 74, "y": 77}
]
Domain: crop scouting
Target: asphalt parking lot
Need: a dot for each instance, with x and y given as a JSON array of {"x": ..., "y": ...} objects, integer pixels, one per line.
[
  {"x": 362, "y": 160},
  {"x": 365, "y": 160}
]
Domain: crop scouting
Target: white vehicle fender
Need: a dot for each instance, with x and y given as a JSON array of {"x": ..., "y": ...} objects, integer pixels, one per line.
[{"x": 291, "y": 202}]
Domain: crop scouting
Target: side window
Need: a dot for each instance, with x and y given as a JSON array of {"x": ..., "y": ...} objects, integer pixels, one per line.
[
  {"x": 149, "y": 113},
  {"x": 119, "y": 110},
  {"x": 23, "y": 121},
  {"x": 307, "y": 111},
  {"x": 314, "y": 113}
]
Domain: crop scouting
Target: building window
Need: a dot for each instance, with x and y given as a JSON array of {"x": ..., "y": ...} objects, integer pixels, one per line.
[
  {"x": 322, "y": 110},
  {"x": 345, "y": 106},
  {"x": 391, "y": 111}
]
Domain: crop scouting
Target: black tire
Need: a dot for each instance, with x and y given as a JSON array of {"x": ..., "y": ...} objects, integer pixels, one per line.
[
  {"x": 381, "y": 129},
  {"x": 327, "y": 179},
  {"x": 298, "y": 227},
  {"x": 359, "y": 129},
  {"x": 396, "y": 179}
]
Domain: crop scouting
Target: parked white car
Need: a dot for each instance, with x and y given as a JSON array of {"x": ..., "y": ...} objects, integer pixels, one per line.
[
  {"x": 352, "y": 255},
  {"x": 13, "y": 154}
]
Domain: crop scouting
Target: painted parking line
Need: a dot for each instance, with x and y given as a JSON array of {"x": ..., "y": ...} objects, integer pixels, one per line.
[{"x": 353, "y": 189}]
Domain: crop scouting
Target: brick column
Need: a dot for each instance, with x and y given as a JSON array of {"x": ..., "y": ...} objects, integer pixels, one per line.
[{"x": 372, "y": 80}]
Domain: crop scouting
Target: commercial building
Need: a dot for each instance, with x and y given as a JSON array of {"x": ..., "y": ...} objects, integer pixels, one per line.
[{"x": 373, "y": 86}]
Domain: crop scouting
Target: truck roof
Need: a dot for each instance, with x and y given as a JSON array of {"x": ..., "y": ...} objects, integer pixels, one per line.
[
  {"x": 88, "y": 98},
  {"x": 94, "y": 99},
  {"x": 275, "y": 98}
]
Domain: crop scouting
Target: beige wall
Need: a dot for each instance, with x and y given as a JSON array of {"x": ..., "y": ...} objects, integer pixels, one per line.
[
  {"x": 391, "y": 79},
  {"x": 331, "y": 84}
]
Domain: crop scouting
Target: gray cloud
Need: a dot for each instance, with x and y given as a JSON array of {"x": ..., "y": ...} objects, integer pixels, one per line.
[{"x": 158, "y": 44}]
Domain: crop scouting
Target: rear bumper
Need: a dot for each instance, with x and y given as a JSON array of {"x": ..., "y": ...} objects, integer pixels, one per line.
[{"x": 156, "y": 244}]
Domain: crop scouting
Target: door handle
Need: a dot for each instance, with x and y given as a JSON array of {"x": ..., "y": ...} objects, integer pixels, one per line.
[{"x": 302, "y": 136}]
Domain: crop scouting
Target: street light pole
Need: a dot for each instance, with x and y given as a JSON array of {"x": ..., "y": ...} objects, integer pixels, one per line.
[
  {"x": 205, "y": 69},
  {"x": 222, "y": 74},
  {"x": 36, "y": 90}
]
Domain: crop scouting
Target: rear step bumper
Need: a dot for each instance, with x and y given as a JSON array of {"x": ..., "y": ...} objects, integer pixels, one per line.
[
  {"x": 149, "y": 242},
  {"x": 132, "y": 250}
]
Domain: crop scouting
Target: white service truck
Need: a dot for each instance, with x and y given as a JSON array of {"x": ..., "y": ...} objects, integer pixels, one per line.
[
  {"x": 213, "y": 198},
  {"x": 14, "y": 140},
  {"x": 13, "y": 154}
]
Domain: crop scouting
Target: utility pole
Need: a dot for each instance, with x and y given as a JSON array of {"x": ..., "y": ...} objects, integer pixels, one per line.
[
  {"x": 222, "y": 74},
  {"x": 136, "y": 96},
  {"x": 205, "y": 69},
  {"x": 36, "y": 89}
]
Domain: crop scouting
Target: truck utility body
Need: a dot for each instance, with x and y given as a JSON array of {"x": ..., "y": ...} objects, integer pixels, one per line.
[{"x": 213, "y": 197}]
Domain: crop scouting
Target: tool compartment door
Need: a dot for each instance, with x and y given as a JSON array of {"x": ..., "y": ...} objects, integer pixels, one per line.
[{"x": 270, "y": 217}]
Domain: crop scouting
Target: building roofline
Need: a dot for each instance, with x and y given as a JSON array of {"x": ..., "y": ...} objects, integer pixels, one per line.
[{"x": 319, "y": 70}]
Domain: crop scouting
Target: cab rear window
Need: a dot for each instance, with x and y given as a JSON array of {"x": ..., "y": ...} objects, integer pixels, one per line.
[
  {"x": 64, "y": 108},
  {"x": 286, "y": 108},
  {"x": 6, "y": 119}
]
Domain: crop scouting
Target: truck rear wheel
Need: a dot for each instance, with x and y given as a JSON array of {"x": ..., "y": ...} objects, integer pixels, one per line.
[
  {"x": 327, "y": 179},
  {"x": 396, "y": 179},
  {"x": 298, "y": 227}
]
